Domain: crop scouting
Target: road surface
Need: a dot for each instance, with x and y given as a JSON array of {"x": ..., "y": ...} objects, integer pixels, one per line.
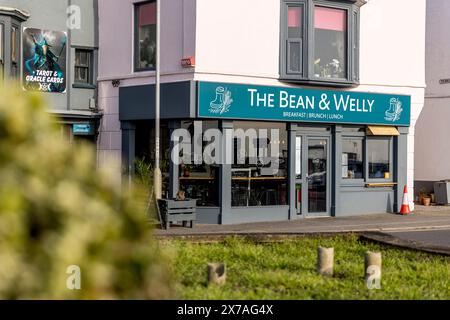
[{"x": 440, "y": 238}]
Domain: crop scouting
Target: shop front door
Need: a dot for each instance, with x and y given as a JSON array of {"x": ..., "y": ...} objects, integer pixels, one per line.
[
  {"x": 317, "y": 176},
  {"x": 312, "y": 175}
]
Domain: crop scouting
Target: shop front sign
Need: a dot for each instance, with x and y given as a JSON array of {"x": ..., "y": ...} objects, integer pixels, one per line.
[{"x": 239, "y": 101}]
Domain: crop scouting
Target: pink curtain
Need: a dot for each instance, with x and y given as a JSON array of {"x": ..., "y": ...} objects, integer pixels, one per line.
[
  {"x": 330, "y": 19},
  {"x": 294, "y": 17},
  {"x": 147, "y": 14}
]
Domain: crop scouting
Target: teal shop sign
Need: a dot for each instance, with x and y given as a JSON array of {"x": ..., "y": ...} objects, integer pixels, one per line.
[{"x": 238, "y": 101}]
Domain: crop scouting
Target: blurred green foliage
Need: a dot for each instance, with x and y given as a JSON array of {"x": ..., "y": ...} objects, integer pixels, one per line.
[{"x": 57, "y": 209}]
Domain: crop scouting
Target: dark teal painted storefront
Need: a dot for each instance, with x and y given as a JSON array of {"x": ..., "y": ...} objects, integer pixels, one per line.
[{"x": 180, "y": 101}]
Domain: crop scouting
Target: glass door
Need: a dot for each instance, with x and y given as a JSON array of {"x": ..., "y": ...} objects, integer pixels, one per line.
[
  {"x": 317, "y": 185},
  {"x": 298, "y": 175}
]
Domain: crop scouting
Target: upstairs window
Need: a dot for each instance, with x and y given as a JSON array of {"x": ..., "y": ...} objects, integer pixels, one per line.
[
  {"x": 295, "y": 39},
  {"x": 145, "y": 36},
  {"x": 15, "y": 52},
  {"x": 14, "y": 43},
  {"x": 319, "y": 42},
  {"x": 2, "y": 45},
  {"x": 84, "y": 66},
  {"x": 330, "y": 41}
]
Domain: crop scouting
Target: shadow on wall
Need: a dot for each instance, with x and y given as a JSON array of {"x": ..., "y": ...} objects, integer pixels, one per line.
[
  {"x": 431, "y": 146},
  {"x": 389, "y": 206},
  {"x": 427, "y": 186},
  {"x": 420, "y": 154}
]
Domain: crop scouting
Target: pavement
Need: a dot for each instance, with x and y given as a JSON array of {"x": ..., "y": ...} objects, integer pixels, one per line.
[
  {"x": 423, "y": 219},
  {"x": 428, "y": 229}
]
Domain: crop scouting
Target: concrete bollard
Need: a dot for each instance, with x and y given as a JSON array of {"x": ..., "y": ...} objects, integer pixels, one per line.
[
  {"x": 325, "y": 261},
  {"x": 217, "y": 273},
  {"x": 372, "y": 269}
]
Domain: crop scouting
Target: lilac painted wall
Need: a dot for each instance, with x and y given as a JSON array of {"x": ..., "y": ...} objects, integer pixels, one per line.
[
  {"x": 116, "y": 18},
  {"x": 117, "y": 37}
]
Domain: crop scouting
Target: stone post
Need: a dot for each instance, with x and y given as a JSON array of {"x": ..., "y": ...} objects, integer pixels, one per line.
[
  {"x": 217, "y": 273},
  {"x": 372, "y": 269},
  {"x": 325, "y": 261}
]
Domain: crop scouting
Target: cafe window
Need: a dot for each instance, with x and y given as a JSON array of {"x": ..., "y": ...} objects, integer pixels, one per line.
[
  {"x": 379, "y": 158},
  {"x": 145, "y": 36},
  {"x": 320, "y": 42},
  {"x": 199, "y": 180},
  {"x": 352, "y": 158},
  {"x": 259, "y": 170},
  {"x": 83, "y": 66},
  {"x": 367, "y": 153}
]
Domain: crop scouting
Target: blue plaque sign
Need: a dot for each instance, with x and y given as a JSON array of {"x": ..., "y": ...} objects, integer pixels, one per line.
[{"x": 82, "y": 128}]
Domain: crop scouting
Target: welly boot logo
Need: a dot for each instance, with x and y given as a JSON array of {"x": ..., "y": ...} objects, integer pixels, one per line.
[
  {"x": 222, "y": 102},
  {"x": 395, "y": 110}
]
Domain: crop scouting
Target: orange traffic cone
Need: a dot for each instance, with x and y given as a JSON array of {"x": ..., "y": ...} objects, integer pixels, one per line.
[{"x": 404, "y": 210}]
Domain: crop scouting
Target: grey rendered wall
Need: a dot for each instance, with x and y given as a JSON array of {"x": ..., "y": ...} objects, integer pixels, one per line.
[
  {"x": 357, "y": 199},
  {"x": 6, "y": 22},
  {"x": 52, "y": 15},
  {"x": 86, "y": 37},
  {"x": 208, "y": 215}
]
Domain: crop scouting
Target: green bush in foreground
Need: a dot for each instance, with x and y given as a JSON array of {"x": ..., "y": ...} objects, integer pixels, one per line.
[{"x": 57, "y": 209}]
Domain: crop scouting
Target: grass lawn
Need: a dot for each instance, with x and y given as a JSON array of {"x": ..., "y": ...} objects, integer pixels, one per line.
[{"x": 286, "y": 270}]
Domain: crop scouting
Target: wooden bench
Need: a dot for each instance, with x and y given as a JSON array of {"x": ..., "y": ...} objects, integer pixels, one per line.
[{"x": 177, "y": 211}]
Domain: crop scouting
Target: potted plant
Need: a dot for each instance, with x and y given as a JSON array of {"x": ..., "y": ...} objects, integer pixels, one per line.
[
  {"x": 433, "y": 198},
  {"x": 186, "y": 170},
  {"x": 422, "y": 194},
  {"x": 426, "y": 199}
]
